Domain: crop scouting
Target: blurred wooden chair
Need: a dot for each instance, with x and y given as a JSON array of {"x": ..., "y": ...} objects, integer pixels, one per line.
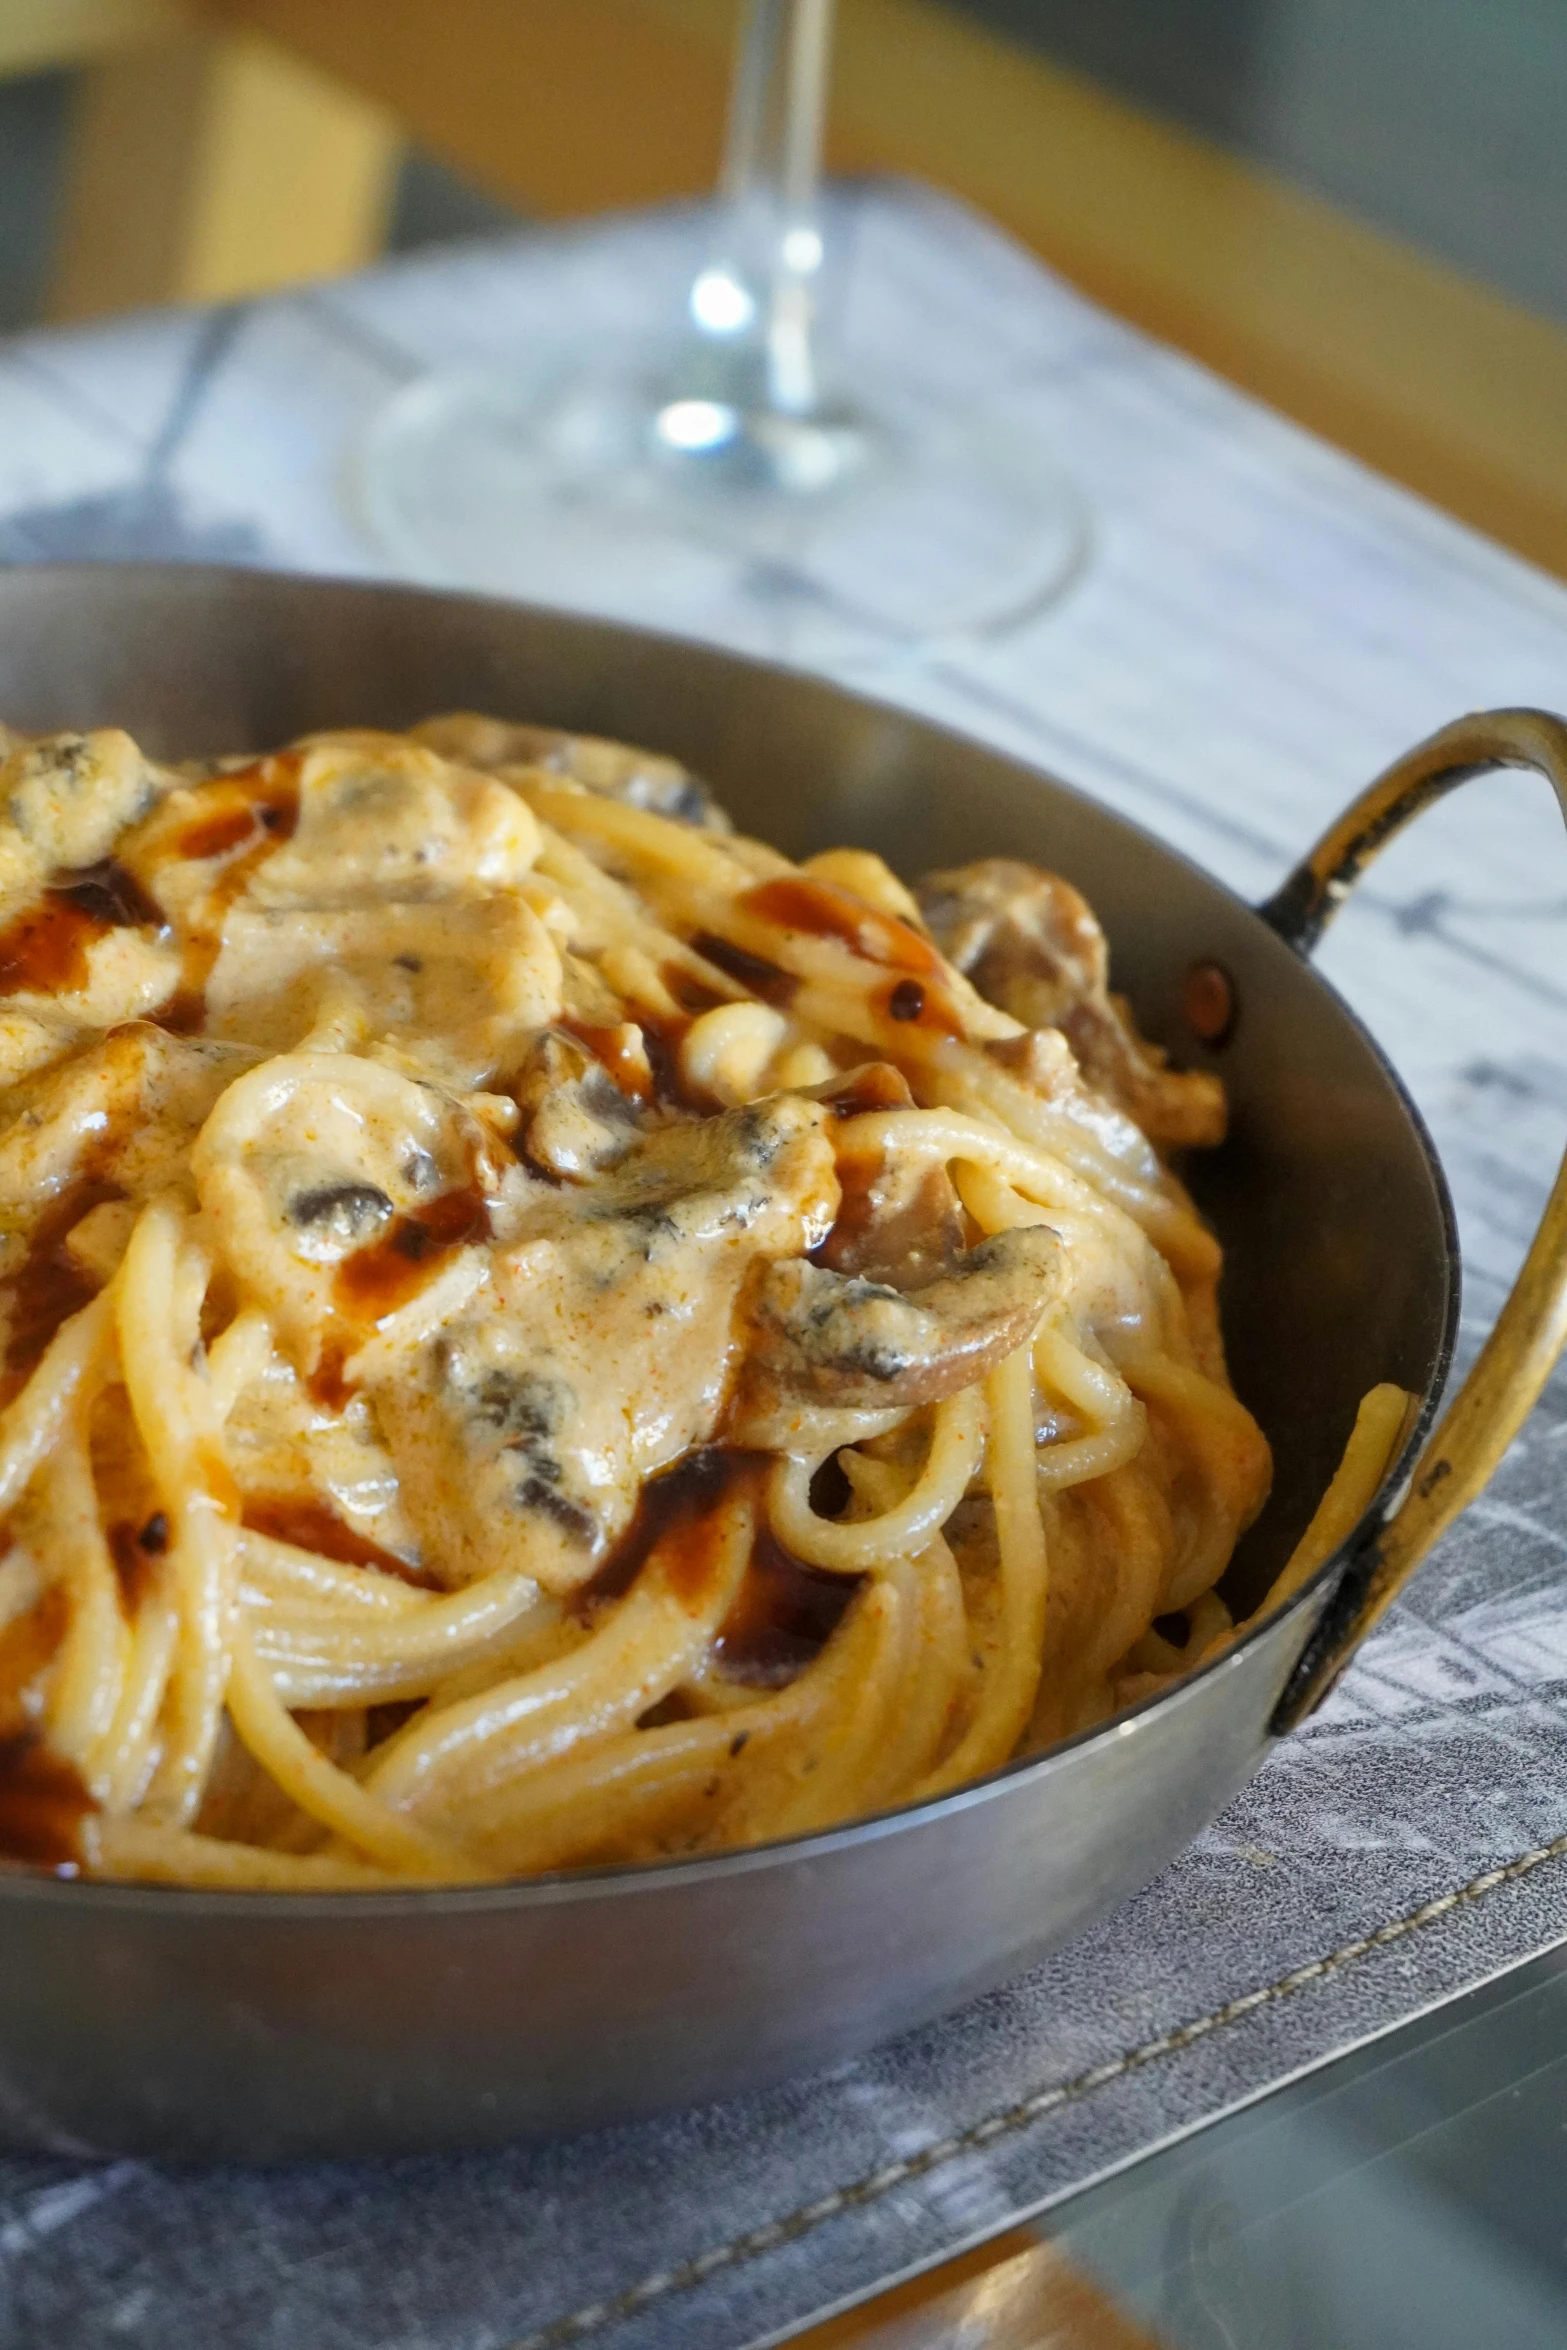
[{"x": 205, "y": 160}]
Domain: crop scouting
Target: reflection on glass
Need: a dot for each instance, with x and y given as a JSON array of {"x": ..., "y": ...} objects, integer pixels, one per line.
[
  {"x": 872, "y": 498},
  {"x": 1407, "y": 2196}
]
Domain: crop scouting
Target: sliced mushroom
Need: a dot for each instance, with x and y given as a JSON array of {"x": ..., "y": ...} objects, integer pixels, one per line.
[
  {"x": 1030, "y": 944},
  {"x": 117, "y": 1115},
  {"x": 316, "y": 1167},
  {"x": 576, "y": 1121},
  {"x": 618, "y": 771},
  {"x": 65, "y": 798},
  {"x": 455, "y": 986},
  {"x": 862, "y": 1345},
  {"x": 382, "y": 818}
]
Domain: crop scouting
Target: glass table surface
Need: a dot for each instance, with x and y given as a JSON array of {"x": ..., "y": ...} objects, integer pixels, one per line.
[{"x": 1412, "y": 2192}]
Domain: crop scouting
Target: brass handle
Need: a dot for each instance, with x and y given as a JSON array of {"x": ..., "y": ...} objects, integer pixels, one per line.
[{"x": 1517, "y": 1358}]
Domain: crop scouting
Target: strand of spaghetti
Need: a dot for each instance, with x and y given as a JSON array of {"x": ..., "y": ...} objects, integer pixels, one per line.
[
  {"x": 89, "y": 1668},
  {"x": 1379, "y": 1428},
  {"x": 1128, "y": 1541},
  {"x": 705, "y": 1690},
  {"x": 715, "y": 1776},
  {"x": 955, "y": 1074},
  {"x": 1095, "y": 1391},
  {"x": 318, "y": 1786},
  {"x": 277, "y": 1573},
  {"x": 192, "y": 1279},
  {"x": 139, "y": 1849},
  {"x": 945, "y": 1135},
  {"x": 936, "y": 1673},
  {"x": 1077, "y": 1460},
  {"x": 835, "y": 994},
  {"x": 1153, "y": 1662},
  {"x": 999, "y": 1176},
  {"x": 657, "y": 1632},
  {"x": 655, "y": 842},
  {"x": 21, "y": 1585},
  {"x": 374, "y": 1661},
  {"x": 1170, "y": 1222},
  {"x": 1226, "y": 1449},
  {"x": 608, "y": 913},
  {"x": 865, "y": 1545},
  {"x": 1118, "y": 1423},
  {"x": 1006, "y": 1697},
  {"x": 1210, "y": 1622},
  {"x": 939, "y": 1669},
  {"x": 129, "y": 1753},
  {"x": 237, "y": 1355},
  {"x": 1114, "y": 1266},
  {"x": 32, "y": 1420},
  {"x": 840, "y": 992},
  {"x": 702, "y": 887},
  {"x": 539, "y": 1640},
  {"x": 838, "y": 1778},
  {"x": 182, "y": 1441}
]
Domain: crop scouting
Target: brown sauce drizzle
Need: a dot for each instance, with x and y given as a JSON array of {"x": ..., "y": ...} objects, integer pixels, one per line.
[
  {"x": 376, "y": 1280},
  {"x": 783, "y": 1617},
  {"x": 678, "y": 1510},
  {"x": 693, "y": 995},
  {"x": 45, "y": 949},
  {"x": 877, "y": 1085},
  {"x": 256, "y": 805},
  {"x": 927, "y": 1008},
  {"x": 110, "y": 895},
  {"x": 50, "y": 1285},
  {"x": 135, "y": 1551},
  {"x": 42, "y": 1800},
  {"x": 387, "y": 1272},
  {"x": 859, "y": 1210},
  {"x": 245, "y": 816},
  {"x": 326, "y": 1383},
  {"x": 820, "y": 909},
  {"x": 615, "y": 1052},
  {"x": 763, "y": 979},
  {"x": 309, "y": 1525},
  {"x": 43, "y": 1803}
]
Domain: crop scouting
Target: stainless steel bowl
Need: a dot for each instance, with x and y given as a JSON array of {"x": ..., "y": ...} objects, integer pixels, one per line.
[{"x": 198, "y": 2024}]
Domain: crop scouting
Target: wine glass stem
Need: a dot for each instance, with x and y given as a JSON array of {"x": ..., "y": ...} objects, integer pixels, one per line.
[{"x": 754, "y": 303}]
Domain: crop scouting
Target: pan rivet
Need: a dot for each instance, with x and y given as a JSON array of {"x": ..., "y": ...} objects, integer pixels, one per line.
[{"x": 1208, "y": 1001}]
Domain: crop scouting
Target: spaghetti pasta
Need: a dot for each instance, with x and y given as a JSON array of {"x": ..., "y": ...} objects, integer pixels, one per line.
[{"x": 536, "y": 1331}]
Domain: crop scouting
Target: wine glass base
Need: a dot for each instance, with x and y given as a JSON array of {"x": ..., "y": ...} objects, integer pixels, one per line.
[{"x": 890, "y": 514}]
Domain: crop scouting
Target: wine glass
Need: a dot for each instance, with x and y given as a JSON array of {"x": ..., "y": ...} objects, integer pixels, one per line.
[{"x": 870, "y": 503}]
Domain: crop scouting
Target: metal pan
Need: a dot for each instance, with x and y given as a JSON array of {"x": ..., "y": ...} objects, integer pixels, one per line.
[{"x": 264, "y": 2027}]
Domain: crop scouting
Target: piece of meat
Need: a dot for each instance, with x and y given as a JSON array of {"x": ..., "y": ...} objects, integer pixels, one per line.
[
  {"x": 605, "y": 1347},
  {"x": 1030, "y": 944}
]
